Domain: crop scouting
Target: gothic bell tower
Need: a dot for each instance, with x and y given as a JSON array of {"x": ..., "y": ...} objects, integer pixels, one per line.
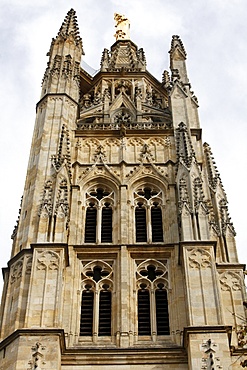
[{"x": 124, "y": 254}]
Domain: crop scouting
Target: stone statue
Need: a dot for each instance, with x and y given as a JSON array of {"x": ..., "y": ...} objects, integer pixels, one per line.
[{"x": 123, "y": 27}]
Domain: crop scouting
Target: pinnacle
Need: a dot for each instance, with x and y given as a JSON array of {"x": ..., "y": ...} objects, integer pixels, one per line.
[
  {"x": 70, "y": 27},
  {"x": 177, "y": 44},
  {"x": 213, "y": 173}
]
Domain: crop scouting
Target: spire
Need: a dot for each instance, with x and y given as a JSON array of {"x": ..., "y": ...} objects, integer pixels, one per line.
[
  {"x": 177, "y": 47},
  {"x": 63, "y": 69},
  {"x": 178, "y": 61},
  {"x": 70, "y": 27}
]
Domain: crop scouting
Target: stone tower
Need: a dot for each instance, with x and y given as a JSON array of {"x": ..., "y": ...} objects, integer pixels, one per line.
[{"x": 124, "y": 254}]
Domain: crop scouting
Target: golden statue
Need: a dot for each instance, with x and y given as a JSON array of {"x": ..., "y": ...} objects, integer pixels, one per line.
[{"x": 123, "y": 27}]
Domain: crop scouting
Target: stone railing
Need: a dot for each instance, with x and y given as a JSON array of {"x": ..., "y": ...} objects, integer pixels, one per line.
[{"x": 125, "y": 126}]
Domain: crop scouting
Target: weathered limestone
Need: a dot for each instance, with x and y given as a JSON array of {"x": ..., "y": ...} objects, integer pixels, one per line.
[{"x": 124, "y": 255}]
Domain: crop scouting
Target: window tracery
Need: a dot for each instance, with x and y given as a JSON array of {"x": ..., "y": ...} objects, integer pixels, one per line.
[
  {"x": 148, "y": 214},
  {"x": 99, "y": 215},
  {"x": 96, "y": 301},
  {"x": 152, "y": 301}
]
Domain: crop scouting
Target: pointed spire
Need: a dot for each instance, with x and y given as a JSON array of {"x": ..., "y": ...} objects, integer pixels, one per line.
[
  {"x": 178, "y": 62},
  {"x": 105, "y": 60},
  {"x": 65, "y": 56},
  {"x": 177, "y": 47},
  {"x": 70, "y": 27}
]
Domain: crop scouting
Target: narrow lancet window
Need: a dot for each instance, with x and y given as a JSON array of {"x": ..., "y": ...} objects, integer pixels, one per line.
[
  {"x": 141, "y": 223},
  {"x": 152, "y": 301},
  {"x": 91, "y": 222},
  {"x": 96, "y": 303},
  {"x": 144, "y": 324},
  {"x": 148, "y": 215},
  {"x": 156, "y": 221},
  {"x": 105, "y": 313},
  {"x": 162, "y": 316},
  {"x": 106, "y": 226},
  {"x": 87, "y": 303},
  {"x": 99, "y": 216}
]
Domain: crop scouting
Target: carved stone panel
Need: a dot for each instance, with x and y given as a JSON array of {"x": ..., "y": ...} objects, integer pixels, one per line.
[
  {"x": 203, "y": 295},
  {"x": 232, "y": 295},
  {"x": 46, "y": 288}
]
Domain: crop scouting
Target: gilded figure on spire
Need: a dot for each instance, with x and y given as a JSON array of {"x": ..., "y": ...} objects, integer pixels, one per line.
[{"x": 123, "y": 27}]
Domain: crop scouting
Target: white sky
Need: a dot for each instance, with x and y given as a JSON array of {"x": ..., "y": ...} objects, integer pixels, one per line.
[{"x": 214, "y": 33}]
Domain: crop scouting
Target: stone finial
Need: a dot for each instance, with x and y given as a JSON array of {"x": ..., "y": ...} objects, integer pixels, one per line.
[
  {"x": 123, "y": 27},
  {"x": 70, "y": 27},
  {"x": 177, "y": 45}
]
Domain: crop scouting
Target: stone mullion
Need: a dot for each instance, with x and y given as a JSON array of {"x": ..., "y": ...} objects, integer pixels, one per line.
[
  {"x": 153, "y": 313},
  {"x": 149, "y": 224},
  {"x": 21, "y": 289},
  {"x": 188, "y": 290},
  {"x": 43, "y": 298},
  {"x": 57, "y": 318},
  {"x": 123, "y": 217},
  {"x": 96, "y": 314},
  {"x": 202, "y": 290},
  {"x": 98, "y": 224},
  {"x": 75, "y": 225},
  {"x": 78, "y": 299},
  {"x": 124, "y": 298}
]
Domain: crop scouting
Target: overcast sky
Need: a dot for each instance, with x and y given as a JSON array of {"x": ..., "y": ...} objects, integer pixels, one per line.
[{"x": 214, "y": 33}]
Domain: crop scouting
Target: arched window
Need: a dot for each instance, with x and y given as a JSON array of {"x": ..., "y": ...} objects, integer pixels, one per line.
[
  {"x": 96, "y": 301},
  {"x": 98, "y": 225},
  {"x": 152, "y": 301},
  {"x": 148, "y": 215}
]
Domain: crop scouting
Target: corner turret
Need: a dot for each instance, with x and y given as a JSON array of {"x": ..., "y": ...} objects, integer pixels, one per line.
[
  {"x": 183, "y": 100},
  {"x": 177, "y": 59},
  {"x": 45, "y": 199},
  {"x": 63, "y": 69}
]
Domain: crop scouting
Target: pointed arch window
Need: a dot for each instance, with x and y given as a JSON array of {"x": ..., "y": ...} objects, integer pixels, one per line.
[
  {"x": 152, "y": 300},
  {"x": 148, "y": 215},
  {"x": 96, "y": 300},
  {"x": 99, "y": 215}
]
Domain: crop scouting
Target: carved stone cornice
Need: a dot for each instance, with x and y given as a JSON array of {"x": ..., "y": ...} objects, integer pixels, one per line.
[{"x": 207, "y": 329}]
